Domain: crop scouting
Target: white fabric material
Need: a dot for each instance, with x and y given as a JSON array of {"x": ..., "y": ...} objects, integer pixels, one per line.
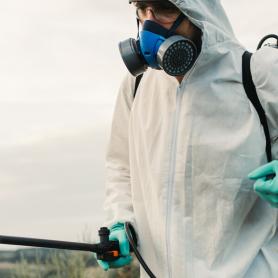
[{"x": 179, "y": 155}]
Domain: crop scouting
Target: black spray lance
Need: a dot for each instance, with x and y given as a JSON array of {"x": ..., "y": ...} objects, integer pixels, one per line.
[{"x": 107, "y": 250}]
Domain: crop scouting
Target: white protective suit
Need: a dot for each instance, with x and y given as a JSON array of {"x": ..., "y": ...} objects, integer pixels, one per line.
[{"x": 179, "y": 156}]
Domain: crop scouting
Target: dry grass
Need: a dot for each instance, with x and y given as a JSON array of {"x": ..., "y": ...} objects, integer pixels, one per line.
[{"x": 71, "y": 265}]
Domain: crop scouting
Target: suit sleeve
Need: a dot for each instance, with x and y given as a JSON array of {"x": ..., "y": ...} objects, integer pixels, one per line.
[
  {"x": 118, "y": 197},
  {"x": 264, "y": 69}
]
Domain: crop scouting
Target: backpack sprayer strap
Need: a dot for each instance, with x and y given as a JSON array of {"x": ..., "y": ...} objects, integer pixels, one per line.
[{"x": 253, "y": 97}]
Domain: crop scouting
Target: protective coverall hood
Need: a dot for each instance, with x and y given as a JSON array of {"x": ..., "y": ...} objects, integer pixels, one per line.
[{"x": 179, "y": 156}]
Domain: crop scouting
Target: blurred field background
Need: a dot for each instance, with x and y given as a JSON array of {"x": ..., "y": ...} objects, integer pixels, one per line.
[{"x": 51, "y": 263}]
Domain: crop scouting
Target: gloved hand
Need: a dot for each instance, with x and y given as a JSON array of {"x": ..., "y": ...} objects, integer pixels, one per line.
[
  {"x": 117, "y": 232},
  {"x": 266, "y": 189}
]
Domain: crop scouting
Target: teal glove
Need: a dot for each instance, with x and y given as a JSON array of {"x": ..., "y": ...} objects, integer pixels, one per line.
[
  {"x": 266, "y": 189},
  {"x": 117, "y": 232}
]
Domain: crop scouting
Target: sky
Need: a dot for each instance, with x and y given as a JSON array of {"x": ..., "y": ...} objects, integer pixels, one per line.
[{"x": 60, "y": 71}]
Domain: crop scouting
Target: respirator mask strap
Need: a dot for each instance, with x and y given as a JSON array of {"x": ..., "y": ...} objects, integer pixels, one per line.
[
  {"x": 176, "y": 24},
  {"x": 138, "y": 23}
]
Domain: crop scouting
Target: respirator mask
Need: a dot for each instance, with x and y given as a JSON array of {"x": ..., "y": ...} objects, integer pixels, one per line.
[{"x": 159, "y": 48}]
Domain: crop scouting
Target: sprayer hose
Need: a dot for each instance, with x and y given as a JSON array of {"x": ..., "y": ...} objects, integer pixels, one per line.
[{"x": 129, "y": 231}]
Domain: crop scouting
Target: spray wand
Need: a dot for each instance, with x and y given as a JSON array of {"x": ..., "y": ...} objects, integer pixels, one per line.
[{"x": 106, "y": 250}]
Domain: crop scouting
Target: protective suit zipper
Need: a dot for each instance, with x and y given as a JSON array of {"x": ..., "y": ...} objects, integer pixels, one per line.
[
  {"x": 172, "y": 166},
  {"x": 171, "y": 177}
]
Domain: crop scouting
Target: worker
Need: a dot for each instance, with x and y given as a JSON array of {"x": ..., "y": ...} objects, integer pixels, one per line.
[{"x": 186, "y": 161}]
